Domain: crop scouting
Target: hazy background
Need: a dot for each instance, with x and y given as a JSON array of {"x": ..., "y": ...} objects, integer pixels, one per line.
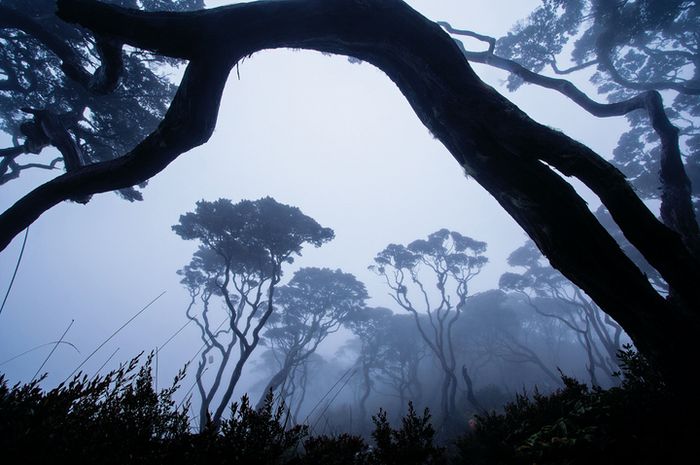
[{"x": 336, "y": 139}]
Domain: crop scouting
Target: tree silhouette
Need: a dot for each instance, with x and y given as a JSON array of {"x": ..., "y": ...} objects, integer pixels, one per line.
[
  {"x": 638, "y": 50},
  {"x": 449, "y": 261},
  {"x": 243, "y": 248},
  {"x": 369, "y": 325},
  {"x": 61, "y": 86},
  {"x": 520, "y": 162},
  {"x": 596, "y": 332},
  {"x": 401, "y": 352},
  {"x": 315, "y": 303},
  {"x": 389, "y": 354},
  {"x": 631, "y": 47},
  {"x": 494, "y": 336}
]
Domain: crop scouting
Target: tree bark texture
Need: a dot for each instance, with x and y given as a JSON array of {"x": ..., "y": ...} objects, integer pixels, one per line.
[{"x": 504, "y": 150}]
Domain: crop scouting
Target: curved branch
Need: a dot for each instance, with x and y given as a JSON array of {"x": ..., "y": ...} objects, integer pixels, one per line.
[
  {"x": 10, "y": 169},
  {"x": 13, "y": 152},
  {"x": 495, "y": 142},
  {"x": 571, "y": 69},
  {"x": 676, "y": 210},
  {"x": 491, "y": 41},
  {"x": 188, "y": 123}
]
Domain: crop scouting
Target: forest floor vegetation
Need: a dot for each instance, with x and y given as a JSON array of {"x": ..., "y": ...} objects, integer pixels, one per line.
[{"x": 120, "y": 418}]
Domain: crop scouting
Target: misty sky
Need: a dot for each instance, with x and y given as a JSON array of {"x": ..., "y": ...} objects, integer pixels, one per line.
[{"x": 336, "y": 139}]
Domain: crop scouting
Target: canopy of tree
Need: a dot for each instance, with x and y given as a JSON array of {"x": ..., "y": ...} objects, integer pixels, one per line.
[
  {"x": 61, "y": 86},
  {"x": 243, "y": 248}
]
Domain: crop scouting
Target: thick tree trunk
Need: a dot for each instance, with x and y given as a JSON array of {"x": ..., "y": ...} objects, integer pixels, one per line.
[{"x": 497, "y": 144}]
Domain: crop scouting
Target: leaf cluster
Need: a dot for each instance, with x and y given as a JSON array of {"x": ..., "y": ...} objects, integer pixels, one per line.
[
  {"x": 248, "y": 236},
  {"x": 638, "y": 422}
]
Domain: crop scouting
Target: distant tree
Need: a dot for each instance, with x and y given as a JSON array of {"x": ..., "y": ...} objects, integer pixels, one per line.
[
  {"x": 315, "y": 303},
  {"x": 81, "y": 93},
  {"x": 401, "y": 350},
  {"x": 493, "y": 335},
  {"x": 369, "y": 326},
  {"x": 599, "y": 335},
  {"x": 298, "y": 385},
  {"x": 389, "y": 354},
  {"x": 243, "y": 248},
  {"x": 448, "y": 261}
]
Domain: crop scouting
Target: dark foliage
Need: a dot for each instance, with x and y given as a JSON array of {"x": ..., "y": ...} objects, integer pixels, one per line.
[
  {"x": 51, "y": 66},
  {"x": 119, "y": 418},
  {"x": 638, "y": 422},
  {"x": 255, "y": 436},
  {"x": 411, "y": 444},
  {"x": 344, "y": 449}
]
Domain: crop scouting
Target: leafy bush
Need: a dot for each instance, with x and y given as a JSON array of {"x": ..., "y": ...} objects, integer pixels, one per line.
[
  {"x": 637, "y": 422},
  {"x": 113, "y": 418},
  {"x": 411, "y": 444},
  {"x": 119, "y": 418},
  {"x": 344, "y": 449},
  {"x": 259, "y": 436}
]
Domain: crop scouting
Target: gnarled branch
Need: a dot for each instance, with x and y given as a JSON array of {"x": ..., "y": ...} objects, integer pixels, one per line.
[
  {"x": 499, "y": 145},
  {"x": 676, "y": 202}
]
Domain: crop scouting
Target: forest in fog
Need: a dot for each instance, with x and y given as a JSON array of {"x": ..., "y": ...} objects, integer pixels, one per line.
[{"x": 335, "y": 288}]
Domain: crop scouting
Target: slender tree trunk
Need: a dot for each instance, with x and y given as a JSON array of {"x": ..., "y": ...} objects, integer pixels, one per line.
[
  {"x": 445, "y": 407},
  {"x": 302, "y": 386},
  {"x": 367, "y": 384},
  {"x": 206, "y": 402}
]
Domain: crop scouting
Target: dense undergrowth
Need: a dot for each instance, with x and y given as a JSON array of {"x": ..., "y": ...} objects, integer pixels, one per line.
[{"x": 119, "y": 418}]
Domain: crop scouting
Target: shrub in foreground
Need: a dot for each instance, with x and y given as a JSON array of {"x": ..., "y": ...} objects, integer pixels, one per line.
[
  {"x": 119, "y": 418},
  {"x": 639, "y": 422}
]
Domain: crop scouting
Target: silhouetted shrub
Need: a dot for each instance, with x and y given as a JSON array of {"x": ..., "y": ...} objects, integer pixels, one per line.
[
  {"x": 104, "y": 419},
  {"x": 637, "y": 422},
  {"x": 413, "y": 443},
  {"x": 344, "y": 449},
  {"x": 259, "y": 436},
  {"x": 119, "y": 418}
]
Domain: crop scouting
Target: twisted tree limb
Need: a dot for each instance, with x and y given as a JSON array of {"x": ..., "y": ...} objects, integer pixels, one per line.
[
  {"x": 499, "y": 145},
  {"x": 676, "y": 200}
]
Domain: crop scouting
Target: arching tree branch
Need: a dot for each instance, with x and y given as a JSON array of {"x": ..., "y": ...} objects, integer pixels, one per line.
[
  {"x": 498, "y": 145},
  {"x": 676, "y": 207}
]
